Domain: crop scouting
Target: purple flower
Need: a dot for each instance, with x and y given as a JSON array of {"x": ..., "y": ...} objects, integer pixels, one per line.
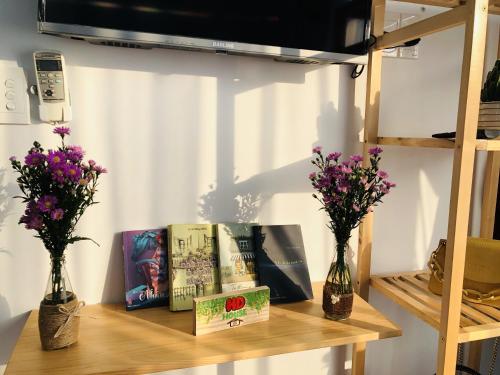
[
  {"x": 62, "y": 131},
  {"x": 31, "y": 207},
  {"x": 312, "y": 175},
  {"x": 47, "y": 203},
  {"x": 73, "y": 172},
  {"x": 323, "y": 182},
  {"x": 356, "y": 158},
  {"x": 12, "y": 158},
  {"x": 333, "y": 156},
  {"x": 57, "y": 214},
  {"x": 365, "y": 183},
  {"x": 91, "y": 163},
  {"x": 389, "y": 184},
  {"x": 56, "y": 157},
  {"x": 100, "y": 169},
  {"x": 34, "y": 222},
  {"x": 317, "y": 149},
  {"x": 343, "y": 187},
  {"x": 345, "y": 169},
  {"x": 59, "y": 172},
  {"x": 328, "y": 199},
  {"x": 34, "y": 158},
  {"x": 382, "y": 174},
  {"x": 375, "y": 151},
  {"x": 75, "y": 153}
]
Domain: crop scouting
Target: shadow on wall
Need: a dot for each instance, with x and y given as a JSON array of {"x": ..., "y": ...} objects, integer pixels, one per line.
[
  {"x": 114, "y": 285},
  {"x": 6, "y": 203},
  {"x": 10, "y": 326},
  {"x": 232, "y": 200}
]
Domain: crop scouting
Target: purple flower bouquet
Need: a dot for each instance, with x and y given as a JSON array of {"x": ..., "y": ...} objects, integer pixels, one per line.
[
  {"x": 347, "y": 191},
  {"x": 57, "y": 187}
]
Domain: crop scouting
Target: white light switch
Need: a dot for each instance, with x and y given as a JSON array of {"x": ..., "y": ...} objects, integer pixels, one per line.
[{"x": 14, "y": 99}]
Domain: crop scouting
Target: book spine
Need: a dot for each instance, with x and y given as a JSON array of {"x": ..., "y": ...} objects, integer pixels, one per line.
[
  {"x": 125, "y": 265},
  {"x": 170, "y": 246}
]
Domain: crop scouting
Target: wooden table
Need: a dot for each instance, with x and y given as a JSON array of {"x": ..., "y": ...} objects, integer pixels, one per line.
[{"x": 115, "y": 341}]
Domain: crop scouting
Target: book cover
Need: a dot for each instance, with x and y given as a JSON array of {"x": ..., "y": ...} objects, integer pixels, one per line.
[
  {"x": 236, "y": 247},
  {"x": 281, "y": 262},
  {"x": 145, "y": 263},
  {"x": 192, "y": 256}
]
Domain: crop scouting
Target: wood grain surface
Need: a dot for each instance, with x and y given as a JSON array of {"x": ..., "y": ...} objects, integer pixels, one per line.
[{"x": 113, "y": 341}]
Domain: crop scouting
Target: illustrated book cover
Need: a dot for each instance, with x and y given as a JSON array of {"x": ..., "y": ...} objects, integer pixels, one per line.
[
  {"x": 236, "y": 247},
  {"x": 145, "y": 263},
  {"x": 281, "y": 262},
  {"x": 193, "y": 264}
]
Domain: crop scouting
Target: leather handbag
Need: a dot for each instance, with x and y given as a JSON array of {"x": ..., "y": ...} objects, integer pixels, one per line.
[{"x": 481, "y": 274}]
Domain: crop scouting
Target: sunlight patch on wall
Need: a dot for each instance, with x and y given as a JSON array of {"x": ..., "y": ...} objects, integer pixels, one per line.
[{"x": 426, "y": 211}]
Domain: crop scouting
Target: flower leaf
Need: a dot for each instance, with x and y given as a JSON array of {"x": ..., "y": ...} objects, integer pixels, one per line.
[{"x": 78, "y": 238}]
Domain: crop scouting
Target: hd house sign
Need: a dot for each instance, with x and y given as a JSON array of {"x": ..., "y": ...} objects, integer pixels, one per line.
[{"x": 230, "y": 310}]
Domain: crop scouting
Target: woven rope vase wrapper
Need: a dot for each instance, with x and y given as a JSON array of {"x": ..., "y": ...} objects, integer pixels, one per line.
[{"x": 59, "y": 324}]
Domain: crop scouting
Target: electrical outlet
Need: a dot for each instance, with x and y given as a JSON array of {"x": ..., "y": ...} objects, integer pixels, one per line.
[{"x": 14, "y": 99}]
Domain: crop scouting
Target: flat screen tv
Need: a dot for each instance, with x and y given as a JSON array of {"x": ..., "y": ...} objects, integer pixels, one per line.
[{"x": 306, "y": 31}]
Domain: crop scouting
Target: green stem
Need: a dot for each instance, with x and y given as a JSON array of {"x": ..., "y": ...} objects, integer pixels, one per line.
[
  {"x": 57, "y": 262},
  {"x": 339, "y": 273}
]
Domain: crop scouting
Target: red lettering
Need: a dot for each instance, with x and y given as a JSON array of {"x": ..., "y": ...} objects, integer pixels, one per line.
[
  {"x": 240, "y": 302},
  {"x": 235, "y": 303}
]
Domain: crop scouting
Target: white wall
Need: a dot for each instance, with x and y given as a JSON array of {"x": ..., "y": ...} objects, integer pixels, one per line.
[{"x": 193, "y": 137}]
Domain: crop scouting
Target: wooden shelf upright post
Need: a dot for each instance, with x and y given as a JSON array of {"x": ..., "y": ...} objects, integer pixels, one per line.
[
  {"x": 463, "y": 167},
  {"x": 488, "y": 208},
  {"x": 374, "y": 73}
]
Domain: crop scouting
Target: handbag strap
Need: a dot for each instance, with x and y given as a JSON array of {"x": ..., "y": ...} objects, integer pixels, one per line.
[{"x": 470, "y": 295}]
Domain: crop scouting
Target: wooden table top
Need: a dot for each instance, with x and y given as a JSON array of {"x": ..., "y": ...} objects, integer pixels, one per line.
[{"x": 114, "y": 341}]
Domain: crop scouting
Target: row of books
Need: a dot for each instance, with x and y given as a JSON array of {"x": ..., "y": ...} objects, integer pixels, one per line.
[{"x": 174, "y": 265}]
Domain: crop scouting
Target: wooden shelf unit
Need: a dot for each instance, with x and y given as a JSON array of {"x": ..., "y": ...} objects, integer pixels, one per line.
[
  {"x": 456, "y": 322},
  {"x": 481, "y": 144},
  {"x": 409, "y": 290},
  {"x": 115, "y": 341}
]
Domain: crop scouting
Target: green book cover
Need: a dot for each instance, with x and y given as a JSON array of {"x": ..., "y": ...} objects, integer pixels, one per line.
[
  {"x": 193, "y": 271},
  {"x": 236, "y": 256}
]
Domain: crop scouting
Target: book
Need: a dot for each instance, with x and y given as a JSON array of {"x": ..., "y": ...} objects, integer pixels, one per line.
[
  {"x": 145, "y": 263},
  {"x": 192, "y": 257},
  {"x": 236, "y": 248},
  {"x": 281, "y": 262}
]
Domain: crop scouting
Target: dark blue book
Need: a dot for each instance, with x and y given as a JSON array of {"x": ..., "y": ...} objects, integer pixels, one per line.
[{"x": 281, "y": 262}]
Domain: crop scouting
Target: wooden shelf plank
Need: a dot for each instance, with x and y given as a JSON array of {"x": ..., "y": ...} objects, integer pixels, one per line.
[
  {"x": 115, "y": 341},
  {"x": 416, "y": 142},
  {"x": 481, "y": 144},
  {"x": 427, "y": 26},
  {"x": 492, "y": 9},
  {"x": 409, "y": 290},
  {"x": 488, "y": 145}
]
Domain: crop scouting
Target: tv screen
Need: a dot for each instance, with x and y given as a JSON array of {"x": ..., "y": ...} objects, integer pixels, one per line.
[{"x": 335, "y": 26}]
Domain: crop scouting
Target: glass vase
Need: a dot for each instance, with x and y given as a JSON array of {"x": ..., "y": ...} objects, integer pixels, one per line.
[
  {"x": 338, "y": 291},
  {"x": 59, "y": 289}
]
